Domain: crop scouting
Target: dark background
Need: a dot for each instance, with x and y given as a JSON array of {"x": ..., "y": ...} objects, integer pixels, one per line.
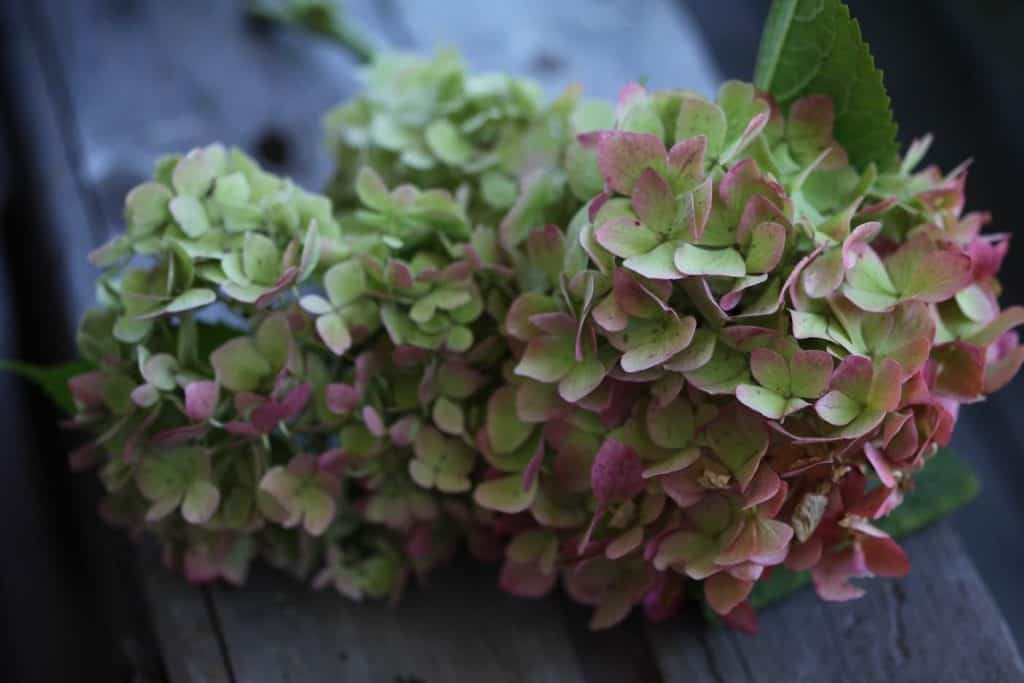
[{"x": 67, "y": 583}]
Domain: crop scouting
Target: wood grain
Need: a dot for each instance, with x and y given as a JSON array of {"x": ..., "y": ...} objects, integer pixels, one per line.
[
  {"x": 459, "y": 628},
  {"x": 190, "y": 645},
  {"x": 938, "y": 624}
]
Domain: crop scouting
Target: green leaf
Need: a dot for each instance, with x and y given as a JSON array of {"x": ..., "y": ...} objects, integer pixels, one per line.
[
  {"x": 814, "y": 47},
  {"x": 944, "y": 485},
  {"x": 52, "y": 379}
]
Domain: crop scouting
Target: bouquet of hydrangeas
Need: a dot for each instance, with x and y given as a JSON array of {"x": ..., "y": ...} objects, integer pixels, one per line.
[{"x": 668, "y": 344}]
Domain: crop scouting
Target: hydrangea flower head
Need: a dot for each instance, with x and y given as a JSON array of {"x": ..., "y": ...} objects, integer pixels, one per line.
[{"x": 675, "y": 340}]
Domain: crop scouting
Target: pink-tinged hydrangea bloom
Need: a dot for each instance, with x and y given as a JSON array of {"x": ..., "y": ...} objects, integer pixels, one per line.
[{"x": 623, "y": 348}]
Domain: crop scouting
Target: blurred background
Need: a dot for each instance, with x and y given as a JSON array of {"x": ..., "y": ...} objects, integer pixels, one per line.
[{"x": 91, "y": 91}]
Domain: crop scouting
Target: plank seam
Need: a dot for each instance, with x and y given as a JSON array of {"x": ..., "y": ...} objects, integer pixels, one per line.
[
  {"x": 218, "y": 630},
  {"x": 709, "y": 655},
  {"x": 748, "y": 673}
]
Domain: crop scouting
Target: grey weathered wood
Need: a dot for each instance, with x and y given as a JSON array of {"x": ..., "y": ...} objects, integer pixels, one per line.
[
  {"x": 938, "y": 624},
  {"x": 602, "y": 45},
  {"x": 189, "y": 641},
  {"x": 459, "y": 628}
]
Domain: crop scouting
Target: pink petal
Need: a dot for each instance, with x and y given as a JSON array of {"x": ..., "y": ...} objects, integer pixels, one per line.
[
  {"x": 742, "y": 618},
  {"x": 880, "y": 465},
  {"x": 804, "y": 555},
  {"x": 724, "y": 592},
  {"x": 884, "y": 557},
  {"x": 87, "y": 389},
  {"x": 373, "y": 421},
  {"x": 834, "y": 571},
  {"x": 525, "y": 579},
  {"x": 960, "y": 370},
  {"x": 622, "y": 157},
  {"x": 653, "y": 200},
  {"x": 296, "y": 400},
  {"x": 341, "y": 398},
  {"x": 201, "y": 400},
  {"x": 617, "y": 472},
  {"x": 853, "y": 377}
]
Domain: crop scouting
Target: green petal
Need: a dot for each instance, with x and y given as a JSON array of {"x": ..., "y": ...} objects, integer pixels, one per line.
[
  {"x": 372, "y": 191},
  {"x": 767, "y": 242},
  {"x": 189, "y": 215},
  {"x": 837, "y": 408},
  {"x": 131, "y": 330},
  {"x": 674, "y": 463},
  {"x": 334, "y": 333},
  {"x": 671, "y": 427},
  {"x": 159, "y": 370},
  {"x": 726, "y": 370},
  {"x": 201, "y": 501},
  {"x": 240, "y": 366},
  {"x": 762, "y": 400},
  {"x": 653, "y": 201},
  {"x": 318, "y": 511},
  {"x": 547, "y": 359},
  {"x": 652, "y": 343},
  {"x": 739, "y": 444},
  {"x": 505, "y": 494},
  {"x": 145, "y": 207},
  {"x": 581, "y": 380},
  {"x": 190, "y": 300},
  {"x": 274, "y": 340},
  {"x": 232, "y": 189},
  {"x": 459, "y": 339},
  {"x": 657, "y": 264},
  {"x": 693, "y": 260},
  {"x": 261, "y": 259},
  {"x": 698, "y": 116},
  {"x": 770, "y": 370},
  {"x": 447, "y": 143},
  {"x": 345, "y": 282},
  {"x": 625, "y": 236},
  {"x": 193, "y": 175},
  {"x": 423, "y": 474},
  {"x": 810, "y": 372},
  {"x": 505, "y": 430},
  {"x": 448, "y": 416}
]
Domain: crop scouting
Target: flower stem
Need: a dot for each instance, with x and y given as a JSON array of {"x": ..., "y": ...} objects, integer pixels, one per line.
[{"x": 324, "y": 18}]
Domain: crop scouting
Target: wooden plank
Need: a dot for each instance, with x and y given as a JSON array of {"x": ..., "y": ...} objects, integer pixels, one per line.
[
  {"x": 938, "y": 624},
  {"x": 190, "y": 644},
  {"x": 601, "y": 45},
  {"x": 459, "y": 628},
  {"x": 76, "y": 594},
  {"x": 146, "y": 78}
]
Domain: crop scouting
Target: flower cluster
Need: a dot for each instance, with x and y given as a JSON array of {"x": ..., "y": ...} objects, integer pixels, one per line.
[{"x": 641, "y": 348}]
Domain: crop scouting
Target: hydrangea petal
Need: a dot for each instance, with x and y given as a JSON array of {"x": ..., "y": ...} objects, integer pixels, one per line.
[
  {"x": 656, "y": 343},
  {"x": 200, "y": 502},
  {"x": 505, "y": 494},
  {"x": 694, "y": 260},
  {"x": 201, "y": 400},
  {"x": 625, "y": 237},
  {"x": 504, "y": 428},
  {"x": 547, "y": 359},
  {"x": 623, "y": 156}
]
